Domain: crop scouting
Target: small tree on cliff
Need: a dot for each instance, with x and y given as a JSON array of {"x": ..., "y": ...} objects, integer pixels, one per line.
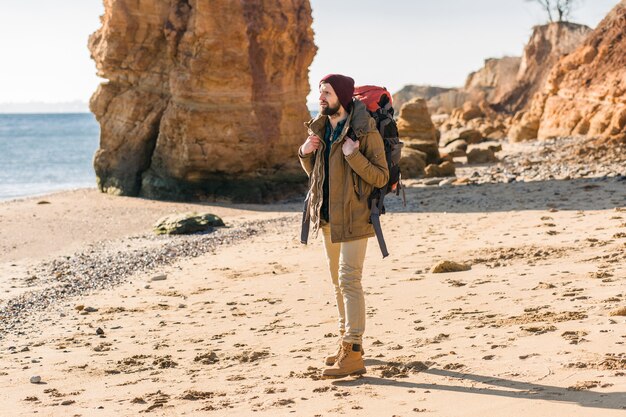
[{"x": 562, "y": 8}]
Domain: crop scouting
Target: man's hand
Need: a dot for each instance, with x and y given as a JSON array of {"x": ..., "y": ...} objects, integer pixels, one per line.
[
  {"x": 349, "y": 146},
  {"x": 311, "y": 144}
]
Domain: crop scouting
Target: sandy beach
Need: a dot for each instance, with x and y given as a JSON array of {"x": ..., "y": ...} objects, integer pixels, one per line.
[{"x": 237, "y": 321}]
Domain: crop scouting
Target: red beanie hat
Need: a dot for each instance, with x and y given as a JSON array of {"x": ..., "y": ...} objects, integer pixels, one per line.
[{"x": 343, "y": 86}]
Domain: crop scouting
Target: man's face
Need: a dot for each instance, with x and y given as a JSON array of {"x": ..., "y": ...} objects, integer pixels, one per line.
[{"x": 329, "y": 102}]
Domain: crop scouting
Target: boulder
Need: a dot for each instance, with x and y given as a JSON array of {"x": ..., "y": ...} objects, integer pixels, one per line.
[
  {"x": 445, "y": 169},
  {"x": 412, "y": 163},
  {"x": 455, "y": 148},
  {"x": 481, "y": 156},
  {"x": 417, "y": 130},
  {"x": 449, "y": 266},
  {"x": 429, "y": 148},
  {"x": 414, "y": 121},
  {"x": 178, "y": 224},
  {"x": 471, "y": 136}
]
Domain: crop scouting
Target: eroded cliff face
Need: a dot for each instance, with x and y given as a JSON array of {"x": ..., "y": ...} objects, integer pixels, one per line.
[
  {"x": 496, "y": 78},
  {"x": 204, "y": 99},
  {"x": 547, "y": 44},
  {"x": 585, "y": 93}
]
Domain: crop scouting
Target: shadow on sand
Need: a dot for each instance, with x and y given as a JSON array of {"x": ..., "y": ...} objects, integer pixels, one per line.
[
  {"x": 514, "y": 389},
  {"x": 576, "y": 194}
]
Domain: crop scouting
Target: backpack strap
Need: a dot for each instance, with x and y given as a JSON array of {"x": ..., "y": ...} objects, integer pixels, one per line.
[
  {"x": 376, "y": 209},
  {"x": 306, "y": 220}
]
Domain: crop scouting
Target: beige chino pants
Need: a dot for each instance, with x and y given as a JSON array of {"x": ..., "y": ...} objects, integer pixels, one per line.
[{"x": 345, "y": 262}]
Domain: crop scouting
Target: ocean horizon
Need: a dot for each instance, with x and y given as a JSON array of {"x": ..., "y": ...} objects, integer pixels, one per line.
[{"x": 42, "y": 153}]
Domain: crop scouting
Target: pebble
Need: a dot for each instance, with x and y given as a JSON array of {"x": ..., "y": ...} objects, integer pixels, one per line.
[
  {"x": 35, "y": 379},
  {"x": 447, "y": 181},
  {"x": 99, "y": 330},
  {"x": 431, "y": 181},
  {"x": 103, "y": 267},
  {"x": 161, "y": 277}
]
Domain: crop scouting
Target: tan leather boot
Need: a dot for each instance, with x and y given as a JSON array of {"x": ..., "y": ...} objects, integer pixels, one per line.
[
  {"x": 331, "y": 359},
  {"x": 349, "y": 362}
]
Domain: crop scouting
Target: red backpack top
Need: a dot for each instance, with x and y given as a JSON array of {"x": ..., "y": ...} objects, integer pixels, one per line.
[{"x": 370, "y": 95}]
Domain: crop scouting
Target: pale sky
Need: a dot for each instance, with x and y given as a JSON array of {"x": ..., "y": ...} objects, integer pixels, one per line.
[{"x": 44, "y": 55}]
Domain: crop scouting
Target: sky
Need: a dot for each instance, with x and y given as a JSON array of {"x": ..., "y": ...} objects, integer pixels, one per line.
[{"x": 44, "y": 55}]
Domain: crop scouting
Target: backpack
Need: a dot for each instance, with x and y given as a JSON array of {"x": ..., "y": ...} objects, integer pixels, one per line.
[{"x": 379, "y": 105}]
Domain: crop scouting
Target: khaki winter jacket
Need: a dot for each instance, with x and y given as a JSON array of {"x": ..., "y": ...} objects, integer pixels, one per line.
[{"x": 352, "y": 177}]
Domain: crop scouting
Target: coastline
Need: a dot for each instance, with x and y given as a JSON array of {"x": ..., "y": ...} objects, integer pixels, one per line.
[{"x": 241, "y": 328}]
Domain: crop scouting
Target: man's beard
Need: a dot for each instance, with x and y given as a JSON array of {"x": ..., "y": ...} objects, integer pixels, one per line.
[{"x": 330, "y": 111}]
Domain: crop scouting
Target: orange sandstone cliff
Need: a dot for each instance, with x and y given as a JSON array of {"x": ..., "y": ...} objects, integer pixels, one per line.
[
  {"x": 585, "y": 92},
  {"x": 203, "y": 99}
]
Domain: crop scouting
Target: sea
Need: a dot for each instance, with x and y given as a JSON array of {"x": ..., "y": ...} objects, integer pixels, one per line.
[{"x": 46, "y": 152}]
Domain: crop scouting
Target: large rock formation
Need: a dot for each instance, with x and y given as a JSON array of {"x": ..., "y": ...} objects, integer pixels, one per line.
[
  {"x": 204, "y": 99},
  {"x": 585, "y": 93},
  {"x": 420, "y": 137},
  {"x": 547, "y": 44},
  {"x": 488, "y": 84},
  {"x": 496, "y": 78},
  {"x": 408, "y": 92}
]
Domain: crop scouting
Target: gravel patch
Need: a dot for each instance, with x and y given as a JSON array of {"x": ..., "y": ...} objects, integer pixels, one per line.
[{"x": 107, "y": 264}]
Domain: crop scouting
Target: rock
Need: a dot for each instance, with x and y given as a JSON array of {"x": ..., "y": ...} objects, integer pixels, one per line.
[
  {"x": 35, "y": 379},
  {"x": 495, "y": 134},
  {"x": 481, "y": 156},
  {"x": 90, "y": 309},
  {"x": 417, "y": 130},
  {"x": 203, "y": 100},
  {"x": 455, "y": 149},
  {"x": 409, "y": 92},
  {"x": 43, "y": 202},
  {"x": 99, "y": 331},
  {"x": 491, "y": 82},
  {"x": 207, "y": 358},
  {"x": 447, "y": 181},
  {"x": 470, "y": 111},
  {"x": 412, "y": 163},
  {"x": 161, "y": 277},
  {"x": 449, "y": 266},
  {"x": 525, "y": 126},
  {"x": 618, "y": 312},
  {"x": 493, "y": 146},
  {"x": 445, "y": 169},
  {"x": 431, "y": 181},
  {"x": 471, "y": 136},
  {"x": 186, "y": 223},
  {"x": 585, "y": 92},
  {"x": 544, "y": 48},
  {"x": 428, "y": 148}
]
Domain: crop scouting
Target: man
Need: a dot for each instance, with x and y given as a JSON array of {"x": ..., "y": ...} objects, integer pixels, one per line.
[{"x": 343, "y": 173}]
